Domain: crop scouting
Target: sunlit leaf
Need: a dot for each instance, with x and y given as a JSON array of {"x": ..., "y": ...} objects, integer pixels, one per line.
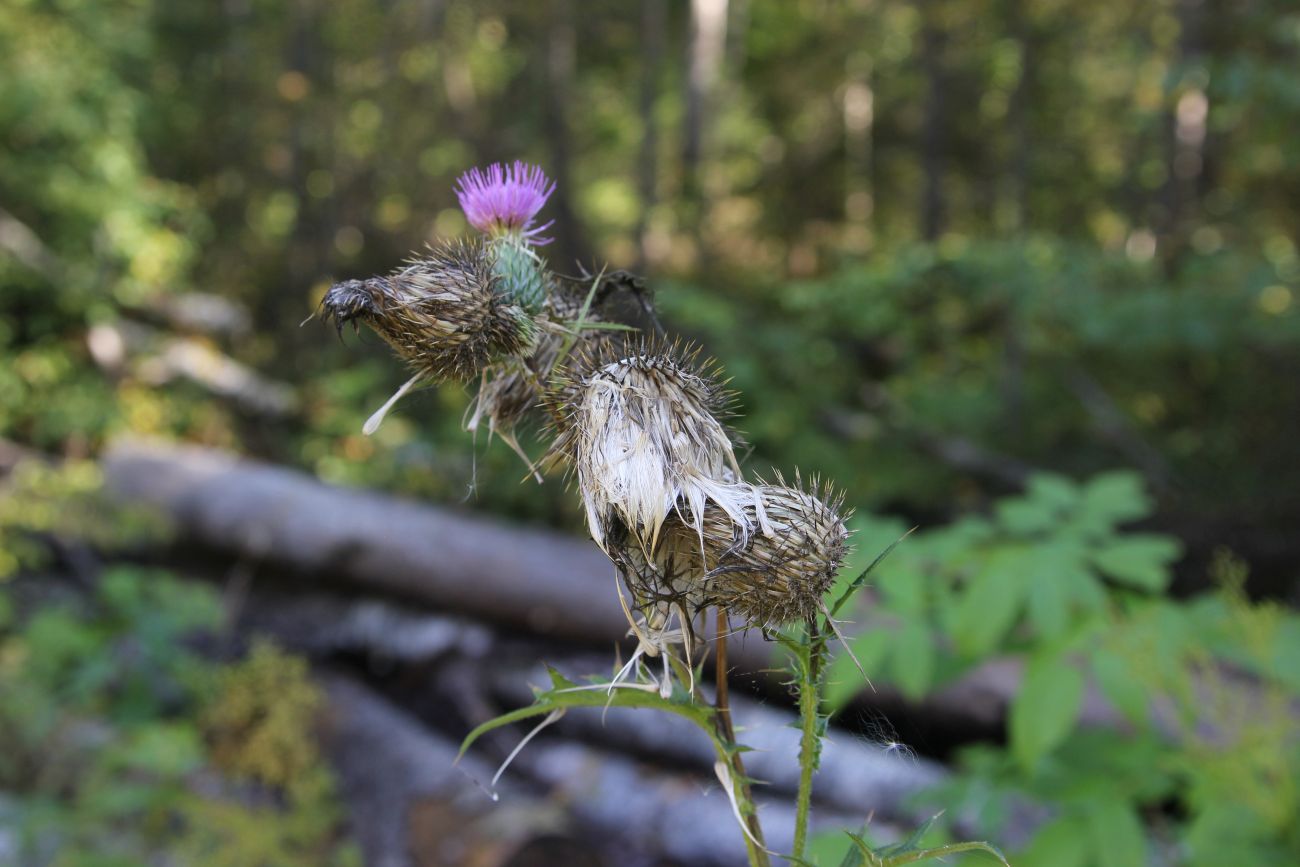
[
  {"x": 843, "y": 680},
  {"x": 1114, "y": 498},
  {"x": 864, "y": 574},
  {"x": 993, "y": 600},
  {"x": 1117, "y": 682},
  {"x": 1063, "y": 842}
]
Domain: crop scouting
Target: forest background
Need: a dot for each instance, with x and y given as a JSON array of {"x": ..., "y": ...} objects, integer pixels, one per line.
[{"x": 1020, "y": 273}]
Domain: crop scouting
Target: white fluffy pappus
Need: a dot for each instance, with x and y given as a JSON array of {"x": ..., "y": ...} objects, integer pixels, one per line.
[{"x": 643, "y": 436}]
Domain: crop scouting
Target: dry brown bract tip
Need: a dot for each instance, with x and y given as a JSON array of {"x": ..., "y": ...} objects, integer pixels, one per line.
[
  {"x": 769, "y": 578},
  {"x": 511, "y": 388},
  {"x": 443, "y": 312}
]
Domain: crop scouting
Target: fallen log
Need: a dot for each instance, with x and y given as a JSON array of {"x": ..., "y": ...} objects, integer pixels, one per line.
[
  {"x": 410, "y": 807},
  {"x": 463, "y": 674},
  {"x": 545, "y": 582}
]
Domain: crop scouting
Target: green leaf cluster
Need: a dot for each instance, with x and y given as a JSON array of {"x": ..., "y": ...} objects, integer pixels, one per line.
[{"x": 1050, "y": 581}]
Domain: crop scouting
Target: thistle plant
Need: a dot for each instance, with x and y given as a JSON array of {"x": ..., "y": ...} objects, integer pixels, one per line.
[{"x": 640, "y": 425}]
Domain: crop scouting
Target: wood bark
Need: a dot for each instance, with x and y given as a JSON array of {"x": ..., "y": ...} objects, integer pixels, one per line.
[
  {"x": 412, "y": 804},
  {"x": 542, "y": 581},
  {"x": 535, "y": 580},
  {"x": 653, "y": 17},
  {"x": 465, "y": 669}
]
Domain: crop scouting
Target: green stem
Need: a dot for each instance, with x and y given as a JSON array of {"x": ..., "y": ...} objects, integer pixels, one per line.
[{"x": 808, "y": 671}]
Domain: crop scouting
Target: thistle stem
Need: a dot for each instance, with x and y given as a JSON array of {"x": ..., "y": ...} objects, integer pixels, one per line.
[
  {"x": 727, "y": 734},
  {"x": 808, "y": 667},
  {"x": 723, "y": 703}
]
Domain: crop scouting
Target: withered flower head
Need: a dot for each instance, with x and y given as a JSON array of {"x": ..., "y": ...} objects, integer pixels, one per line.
[
  {"x": 512, "y": 388},
  {"x": 443, "y": 312},
  {"x": 639, "y": 425},
  {"x": 670, "y": 574},
  {"x": 771, "y": 577}
]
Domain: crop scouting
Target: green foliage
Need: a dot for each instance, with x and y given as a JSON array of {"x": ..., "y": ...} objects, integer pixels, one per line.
[
  {"x": 1046, "y": 568},
  {"x": 1049, "y": 353},
  {"x": 108, "y": 756},
  {"x": 927, "y": 843},
  {"x": 93, "y": 228},
  {"x": 40, "y": 500},
  {"x": 257, "y": 715},
  {"x": 1051, "y": 579}
]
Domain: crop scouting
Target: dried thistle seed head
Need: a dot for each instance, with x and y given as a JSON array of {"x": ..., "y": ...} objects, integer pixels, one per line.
[
  {"x": 778, "y": 576},
  {"x": 443, "y": 312},
  {"x": 640, "y": 427},
  {"x": 508, "y": 391},
  {"x": 671, "y": 574},
  {"x": 511, "y": 389}
]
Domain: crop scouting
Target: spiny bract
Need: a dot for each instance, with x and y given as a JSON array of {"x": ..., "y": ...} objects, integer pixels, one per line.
[
  {"x": 443, "y": 312},
  {"x": 511, "y": 388},
  {"x": 765, "y": 578}
]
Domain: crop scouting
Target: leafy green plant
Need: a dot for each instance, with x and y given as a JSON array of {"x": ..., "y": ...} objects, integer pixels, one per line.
[
  {"x": 112, "y": 728},
  {"x": 1203, "y": 691},
  {"x": 110, "y": 744},
  {"x": 938, "y": 374},
  {"x": 42, "y": 502}
]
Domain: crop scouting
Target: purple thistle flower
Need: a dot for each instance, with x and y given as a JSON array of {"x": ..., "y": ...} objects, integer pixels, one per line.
[{"x": 505, "y": 199}]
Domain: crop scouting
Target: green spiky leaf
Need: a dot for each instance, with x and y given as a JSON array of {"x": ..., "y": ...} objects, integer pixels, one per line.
[{"x": 857, "y": 583}]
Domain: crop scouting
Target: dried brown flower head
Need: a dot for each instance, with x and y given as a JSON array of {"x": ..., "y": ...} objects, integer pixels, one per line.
[
  {"x": 511, "y": 388},
  {"x": 639, "y": 425},
  {"x": 765, "y": 578},
  {"x": 444, "y": 312},
  {"x": 777, "y": 576}
]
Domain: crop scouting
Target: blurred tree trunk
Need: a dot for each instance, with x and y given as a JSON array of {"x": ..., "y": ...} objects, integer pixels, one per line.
[
  {"x": 569, "y": 246},
  {"x": 652, "y": 49},
  {"x": 859, "y": 119},
  {"x": 708, "y": 39},
  {"x": 933, "y": 131},
  {"x": 1185, "y": 135},
  {"x": 1018, "y": 170}
]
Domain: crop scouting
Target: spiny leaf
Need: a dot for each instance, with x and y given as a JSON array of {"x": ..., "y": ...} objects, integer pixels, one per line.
[
  {"x": 565, "y": 693},
  {"x": 862, "y": 578},
  {"x": 913, "y": 842},
  {"x": 861, "y": 855},
  {"x": 603, "y": 326},
  {"x": 942, "y": 851},
  {"x": 504, "y": 720}
]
